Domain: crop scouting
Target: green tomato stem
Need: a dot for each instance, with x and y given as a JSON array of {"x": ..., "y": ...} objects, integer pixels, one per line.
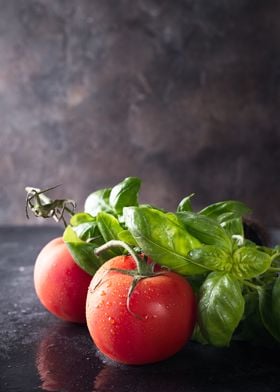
[
  {"x": 252, "y": 285},
  {"x": 274, "y": 269},
  {"x": 275, "y": 256},
  {"x": 140, "y": 264}
]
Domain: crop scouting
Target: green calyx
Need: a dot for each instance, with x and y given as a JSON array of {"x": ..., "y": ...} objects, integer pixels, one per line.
[{"x": 143, "y": 269}]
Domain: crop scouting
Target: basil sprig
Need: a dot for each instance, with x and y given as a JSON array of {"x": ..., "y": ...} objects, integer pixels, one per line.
[
  {"x": 235, "y": 280},
  {"x": 113, "y": 200}
]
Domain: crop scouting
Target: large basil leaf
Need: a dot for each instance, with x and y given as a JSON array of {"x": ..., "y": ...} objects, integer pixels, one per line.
[
  {"x": 162, "y": 238},
  {"x": 217, "y": 209},
  {"x": 98, "y": 201},
  {"x": 206, "y": 230},
  {"x": 211, "y": 257},
  {"x": 82, "y": 252},
  {"x": 125, "y": 194},
  {"x": 270, "y": 308},
  {"x": 220, "y": 308},
  {"x": 249, "y": 262}
]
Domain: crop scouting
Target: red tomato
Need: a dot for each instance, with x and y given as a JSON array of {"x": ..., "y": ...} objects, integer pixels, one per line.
[
  {"x": 61, "y": 285},
  {"x": 161, "y": 317}
]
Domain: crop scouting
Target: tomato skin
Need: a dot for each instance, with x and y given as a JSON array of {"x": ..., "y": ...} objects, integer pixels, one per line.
[
  {"x": 162, "y": 317},
  {"x": 60, "y": 284}
]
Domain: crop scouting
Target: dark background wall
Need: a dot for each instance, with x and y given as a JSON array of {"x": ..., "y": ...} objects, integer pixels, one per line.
[{"x": 184, "y": 94}]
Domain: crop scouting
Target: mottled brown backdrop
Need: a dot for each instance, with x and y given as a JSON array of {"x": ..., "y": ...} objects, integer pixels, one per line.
[{"x": 184, "y": 94}]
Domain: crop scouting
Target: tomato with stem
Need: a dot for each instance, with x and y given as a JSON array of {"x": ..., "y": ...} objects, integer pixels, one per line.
[{"x": 136, "y": 315}]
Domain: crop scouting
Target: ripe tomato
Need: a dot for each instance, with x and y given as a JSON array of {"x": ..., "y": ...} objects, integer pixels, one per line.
[
  {"x": 158, "y": 322},
  {"x": 61, "y": 285}
]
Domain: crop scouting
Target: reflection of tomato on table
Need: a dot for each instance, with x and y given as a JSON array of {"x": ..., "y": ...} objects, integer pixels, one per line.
[{"x": 60, "y": 353}]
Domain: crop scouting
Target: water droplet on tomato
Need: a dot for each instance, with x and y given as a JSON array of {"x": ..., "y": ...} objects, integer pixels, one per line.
[
  {"x": 98, "y": 305},
  {"x": 111, "y": 320}
]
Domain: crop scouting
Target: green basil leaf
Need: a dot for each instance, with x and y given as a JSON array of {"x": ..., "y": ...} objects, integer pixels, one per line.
[
  {"x": 153, "y": 207},
  {"x": 98, "y": 201},
  {"x": 224, "y": 217},
  {"x": 249, "y": 262},
  {"x": 81, "y": 217},
  {"x": 85, "y": 226},
  {"x": 127, "y": 237},
  {"x": 211, "y": 257},
  {"x": 87, "y": 231},
  {"x": 269, "y": 308},
  {"x": 232, "y": 222},
  {"x": 251, "y": 322},
  {"x": 196, "y": 281},
  {"x": 251, "y": 327},
  {"x": 81, "y": 251},
  {"x": 275, "y": 254},
  {"x": 110, "y": 228},
  {"x": 161, "y": 238},
  {"x": 270, "y": 251},
  {"x": 233, "y": 226},
  {"x": 185, "y": 204},
  {"x": 197, "y": 336},
  {"x": 276, "y": 300},
  {"x": 220, "y": 308},
  {"x": 125, "y": 194},
  {"x": 206, "y": 230},
  {"x": 217, "y": 209}
]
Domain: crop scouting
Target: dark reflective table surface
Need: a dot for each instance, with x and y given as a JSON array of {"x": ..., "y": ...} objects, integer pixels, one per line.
[{"x": 39, "y": 352}]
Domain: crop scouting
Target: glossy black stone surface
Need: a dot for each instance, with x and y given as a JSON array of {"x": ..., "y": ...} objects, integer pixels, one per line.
[{"x": 39, "y": 352}]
